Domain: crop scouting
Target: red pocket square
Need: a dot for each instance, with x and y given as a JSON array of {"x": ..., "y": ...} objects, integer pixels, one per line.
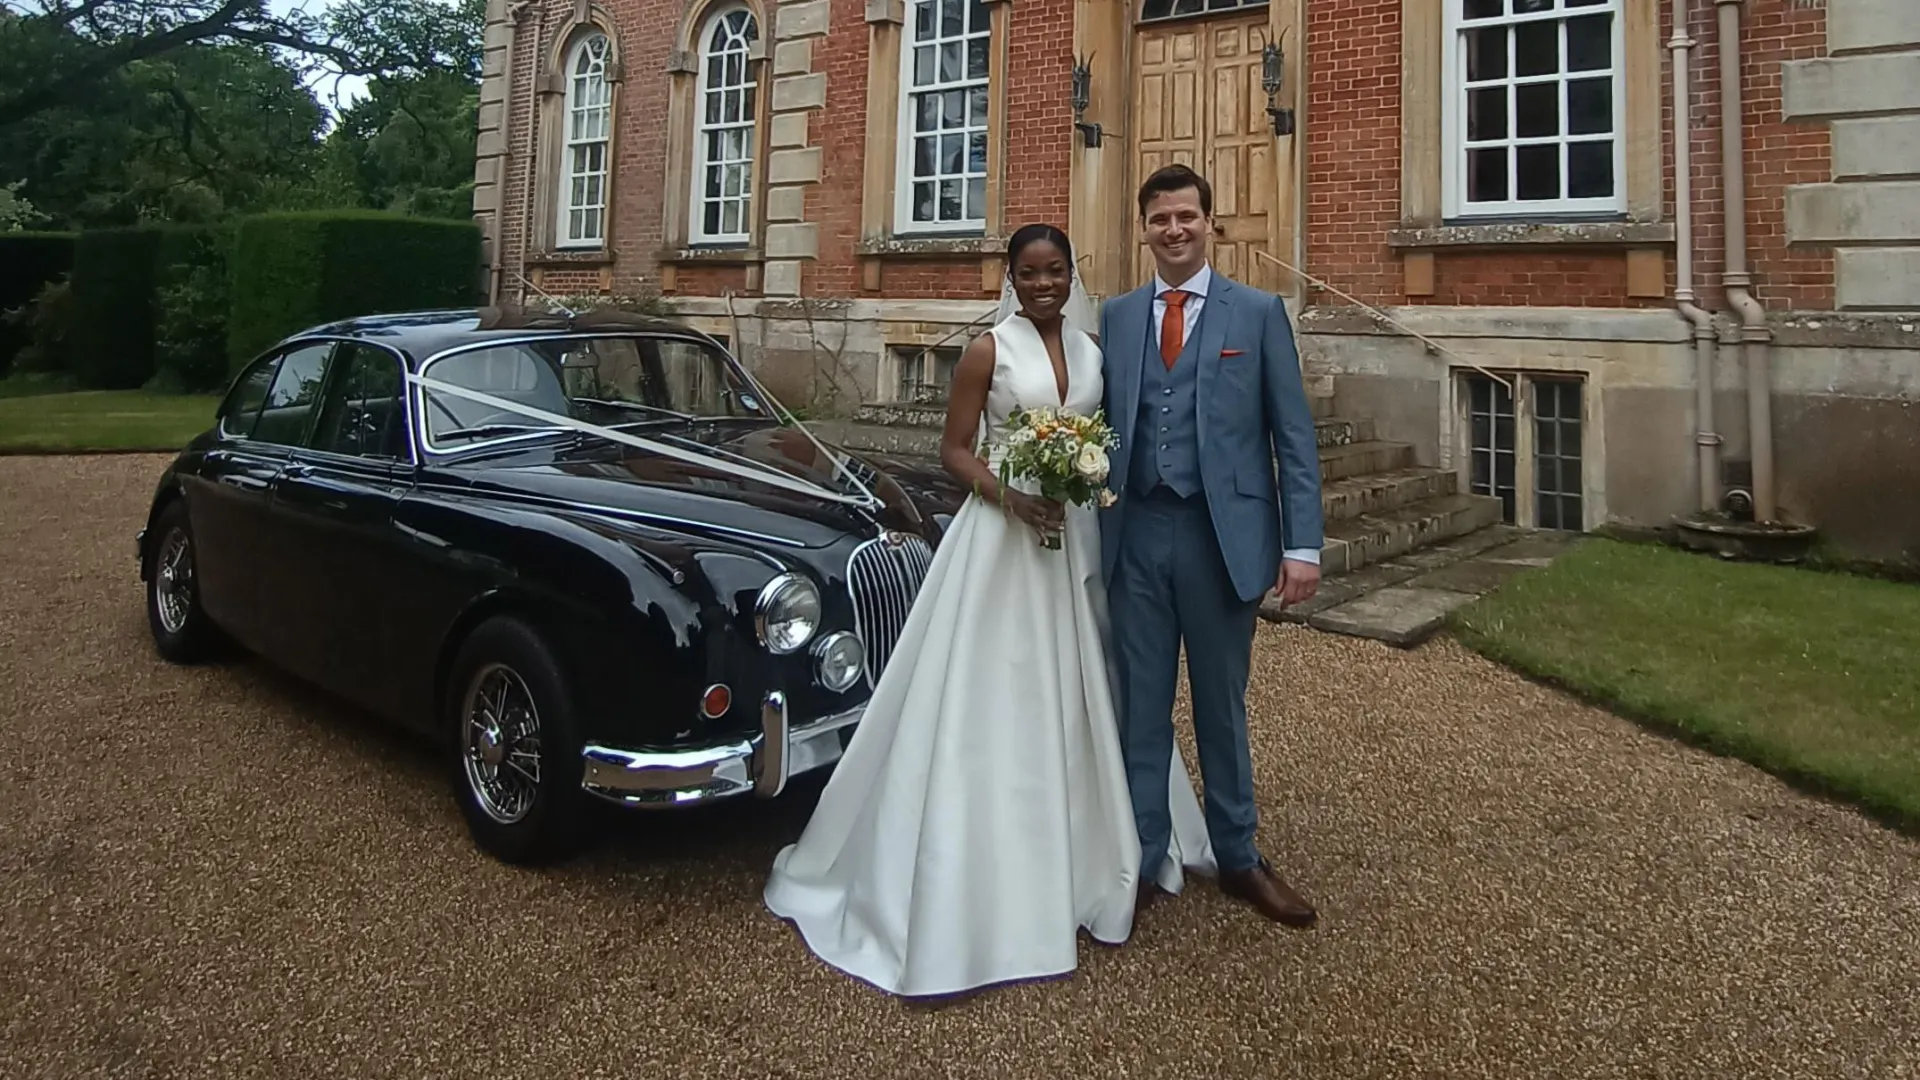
[{"x": 1233, "y": 352}]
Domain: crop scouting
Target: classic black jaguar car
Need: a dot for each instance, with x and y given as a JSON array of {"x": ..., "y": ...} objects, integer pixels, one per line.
[{"x": 587, "y": 554}]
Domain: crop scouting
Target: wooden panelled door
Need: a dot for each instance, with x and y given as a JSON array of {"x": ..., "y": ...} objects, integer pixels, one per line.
[{"x": 1198, "y": 101}]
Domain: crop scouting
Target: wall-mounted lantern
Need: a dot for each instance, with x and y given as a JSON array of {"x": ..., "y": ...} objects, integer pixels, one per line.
[
  {"x": 1272, "y": 65},
  {"x": 1082, "y": 93}
]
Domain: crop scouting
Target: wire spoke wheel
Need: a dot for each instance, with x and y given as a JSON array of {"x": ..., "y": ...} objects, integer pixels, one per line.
[
  {"x": 173, "y": 582},
  {"x": 500, "y": 743}
]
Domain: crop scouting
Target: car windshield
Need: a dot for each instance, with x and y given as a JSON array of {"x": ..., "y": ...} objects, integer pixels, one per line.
[{"x": 609, "y": 380}]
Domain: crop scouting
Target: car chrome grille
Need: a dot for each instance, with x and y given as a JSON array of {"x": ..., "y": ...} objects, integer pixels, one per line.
[{"x": 883, "y": 577}]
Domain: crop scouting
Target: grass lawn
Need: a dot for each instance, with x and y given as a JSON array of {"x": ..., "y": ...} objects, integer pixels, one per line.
[
  {"x": 102, "y": 420},
  {"x": 1812, "y": 676}
]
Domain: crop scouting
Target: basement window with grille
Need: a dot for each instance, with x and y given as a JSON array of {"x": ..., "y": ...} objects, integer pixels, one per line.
[
  {"x": 922, "y": 376},
  {"x": 1525, "y": 446}
]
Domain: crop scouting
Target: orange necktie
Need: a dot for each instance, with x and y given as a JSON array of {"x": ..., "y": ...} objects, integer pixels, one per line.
[{"x": 1173, "y": 327}]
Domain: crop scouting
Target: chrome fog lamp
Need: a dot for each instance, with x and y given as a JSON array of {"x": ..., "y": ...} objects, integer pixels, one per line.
[
  {"x": 787, "y": 613},
  {"x": 838, "y": 660}
]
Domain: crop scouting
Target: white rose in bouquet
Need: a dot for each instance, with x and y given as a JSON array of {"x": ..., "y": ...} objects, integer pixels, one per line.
[{"x": 1091, "y": 462}]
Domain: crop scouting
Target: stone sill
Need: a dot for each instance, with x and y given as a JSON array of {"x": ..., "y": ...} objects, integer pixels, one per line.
[
  {"x": 1494, "y": 235},
  {"x": 932, "y": 247},
  {"x": 713, "y": 256},
  {"x": 585, "y": 257}
]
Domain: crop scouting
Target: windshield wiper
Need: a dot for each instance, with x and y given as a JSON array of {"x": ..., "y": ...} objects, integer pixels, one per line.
[{"x": 483, "y": 430}]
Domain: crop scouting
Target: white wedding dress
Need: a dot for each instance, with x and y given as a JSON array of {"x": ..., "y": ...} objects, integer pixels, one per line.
[{"x": 980, "y": 817}]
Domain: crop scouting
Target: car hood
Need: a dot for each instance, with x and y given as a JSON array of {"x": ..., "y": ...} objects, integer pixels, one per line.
[{"x": 598, "y": 473}]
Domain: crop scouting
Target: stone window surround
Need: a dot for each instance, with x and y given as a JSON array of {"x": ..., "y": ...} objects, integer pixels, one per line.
[
  {"x": 1456, "y": 431},
  {"x": 1423, "y": 230},
  {"x": 549, "y": 108},
  {"x": 683, "y": 92},
  {"x": 881, "y": 241}
]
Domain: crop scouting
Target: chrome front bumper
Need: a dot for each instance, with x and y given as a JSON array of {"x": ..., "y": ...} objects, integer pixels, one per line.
[{"x": 761, "y": 764}]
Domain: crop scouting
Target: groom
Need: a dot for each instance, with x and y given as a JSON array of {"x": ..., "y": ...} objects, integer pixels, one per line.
[{"x": 1203, "y": 388}]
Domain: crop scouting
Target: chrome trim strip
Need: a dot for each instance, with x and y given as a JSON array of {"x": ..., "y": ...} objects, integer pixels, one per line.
[
  {"x": 664, "y": 780},
  {"x": 642, "y": 516}
]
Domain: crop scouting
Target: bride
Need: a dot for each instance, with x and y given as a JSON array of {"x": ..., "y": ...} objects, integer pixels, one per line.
[{"x": 980, "y": 817}]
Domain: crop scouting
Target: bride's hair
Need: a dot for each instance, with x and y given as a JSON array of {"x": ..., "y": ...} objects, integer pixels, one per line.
[{"x": 1027, "y": 234}]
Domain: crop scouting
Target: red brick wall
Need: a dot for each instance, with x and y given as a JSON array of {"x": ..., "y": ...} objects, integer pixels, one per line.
[
  {"x": 1353, "y": 194},
  {"x": 1039, "y": 123},
  {"x": 1352, "y": 128},
  {"x": 1779, "y": 154}
]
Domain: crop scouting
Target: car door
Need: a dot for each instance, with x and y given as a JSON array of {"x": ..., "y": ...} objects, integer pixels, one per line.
[
  {"x": 230, "y": 494},
  {"x": 345, "y": 576}
]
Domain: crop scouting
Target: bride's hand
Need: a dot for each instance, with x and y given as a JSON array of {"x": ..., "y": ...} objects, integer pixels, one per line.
[{"x": 1044, "y": 515}]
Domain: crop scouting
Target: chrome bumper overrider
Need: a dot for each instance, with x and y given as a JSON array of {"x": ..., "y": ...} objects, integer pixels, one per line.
[{"x": 760, "y": 764}]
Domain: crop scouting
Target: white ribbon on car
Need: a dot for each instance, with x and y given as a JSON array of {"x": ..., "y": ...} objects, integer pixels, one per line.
[{"x": 740, "y": 467}]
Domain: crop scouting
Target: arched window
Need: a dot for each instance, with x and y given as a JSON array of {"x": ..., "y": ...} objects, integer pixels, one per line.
[
  {"x": 1153, "y": 10},
  {"x": 587, "y": 130},
  {"x": 724, "y": 138}
]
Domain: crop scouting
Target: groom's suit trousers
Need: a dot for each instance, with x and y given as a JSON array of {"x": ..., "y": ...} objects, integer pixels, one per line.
[{"x": 1169, "y": 585}]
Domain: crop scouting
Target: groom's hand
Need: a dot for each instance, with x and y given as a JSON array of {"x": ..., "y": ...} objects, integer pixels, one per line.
[{"x": 1298, "y": 582}]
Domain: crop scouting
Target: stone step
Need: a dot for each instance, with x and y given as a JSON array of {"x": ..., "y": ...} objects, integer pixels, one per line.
[
  {"x": 1364, "y": 457},
  {"x": 1334, "y": 431},
  {"x": 904, "y": 439},
  {"x": 1364, "y": 539},
  {"x": 1373, "y": 493},
  {"x": 902, "y": 415}
]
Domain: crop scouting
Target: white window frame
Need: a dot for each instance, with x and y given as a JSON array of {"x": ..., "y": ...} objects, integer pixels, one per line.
[
  {"x": 570, "y": 176},
  {"x": 748, "y": 124},
  {"x": 1454, "y": 114},
  {"x": 903, "y": 219},
  {"x": 1525, "y": 441}
]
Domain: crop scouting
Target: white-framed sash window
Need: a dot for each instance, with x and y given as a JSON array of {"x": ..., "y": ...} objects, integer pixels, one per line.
[
  {"x": 1534, "y": 108},
  {"x": 942, "y": 168},
  {"x": 724, "y": 138},
  {"x": 587, "y": 145}
]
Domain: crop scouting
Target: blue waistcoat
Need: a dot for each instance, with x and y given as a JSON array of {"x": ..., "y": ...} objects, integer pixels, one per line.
[{"x": 1166, "y": 433}]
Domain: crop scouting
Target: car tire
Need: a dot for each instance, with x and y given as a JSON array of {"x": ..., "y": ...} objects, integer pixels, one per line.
[
  {"x": 521, "y": 799},
  {"x": 182, "y": 633}
]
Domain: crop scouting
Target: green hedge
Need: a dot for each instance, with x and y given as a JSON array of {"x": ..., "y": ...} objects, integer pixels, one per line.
[
  {"x": 29, "y": 261},
  {"x": 118, "y": 275},
  {"x": 295, "y": 270}
]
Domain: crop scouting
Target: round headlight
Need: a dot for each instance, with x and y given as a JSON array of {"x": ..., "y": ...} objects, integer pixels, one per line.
[
  {"x": 787, "y": 613},
  {"x": 839, "y": 658}
]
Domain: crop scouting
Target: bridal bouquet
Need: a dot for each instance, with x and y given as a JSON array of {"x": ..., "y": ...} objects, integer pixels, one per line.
[{"x": 1063, "y": 452}]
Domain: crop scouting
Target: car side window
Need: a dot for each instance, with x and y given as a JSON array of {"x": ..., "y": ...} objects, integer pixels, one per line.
[
  {"x": 291, "y": 399},
  {"x": 364, "y": 413},
  {"x": 242, "y": 407}
]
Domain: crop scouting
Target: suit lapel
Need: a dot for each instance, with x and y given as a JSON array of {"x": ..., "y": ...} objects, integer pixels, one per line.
[
  {"x": 1130, "y": 336},
  {"x": 1214, "y": 320}
]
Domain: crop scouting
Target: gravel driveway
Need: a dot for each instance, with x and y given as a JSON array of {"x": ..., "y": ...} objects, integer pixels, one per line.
[{"x": 215, "y": 873}]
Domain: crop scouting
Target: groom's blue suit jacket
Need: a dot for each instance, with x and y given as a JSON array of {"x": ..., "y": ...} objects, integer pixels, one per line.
[{"x": 1250, "y": 409}]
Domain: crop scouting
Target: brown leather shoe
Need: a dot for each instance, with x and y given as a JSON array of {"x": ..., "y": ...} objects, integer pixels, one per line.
[{"x": 1262, "y": 888}]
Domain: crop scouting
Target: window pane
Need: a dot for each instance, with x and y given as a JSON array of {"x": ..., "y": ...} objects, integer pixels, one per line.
[
  {"x": 953, "y": 110},
  {"x": 953, "y": 14},
  {"x": 1536, "y": 48},
  {"x": 1539, "y": 171},
  {"x": 1531, "y": 7},
  {"x": 926, "y": 111},
  {"x": 1590, "y": 43},
  {"x": 1537, "y": 110},
  {"x": 1590, "y": 106},
  {"x": 290, "y": 402},
  {"x": 925, "y": 152},
  {"x": 249, "y": 392},
  {"x": 1487, "y": 53},
  {"x": 923, "y": 201},
  {"x": 1590, "y": 170},
  {"x": 977, "y": 106},
  {"x": 950, "y": 204},
  {"x": 1487, "y": 175},
  {"x": 923, "y": 20},
  {"x": 923, "y": 66},
  {"x": 952, "y": 60},
  {"x": 977, "y": 58},
  {"x": 1482, "y": 9},
  {"x": 977, "y": 197},
  {"x": 1487, "y": 114}
]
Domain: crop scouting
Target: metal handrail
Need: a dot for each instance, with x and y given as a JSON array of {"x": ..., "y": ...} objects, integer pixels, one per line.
[{"x": 1432, "y": 345}]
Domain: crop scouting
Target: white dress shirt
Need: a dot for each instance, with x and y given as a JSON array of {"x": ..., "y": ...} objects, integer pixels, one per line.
[{"x": 1196, "y": 289}]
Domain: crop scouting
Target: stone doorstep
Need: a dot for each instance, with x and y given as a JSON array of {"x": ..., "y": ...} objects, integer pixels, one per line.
[
  {"x": 1362, "y": 458},
  {"x": 1341, "y": 500},
  {"x": 1370, "y": 538},
  {"x": 1405, "y": 600}
]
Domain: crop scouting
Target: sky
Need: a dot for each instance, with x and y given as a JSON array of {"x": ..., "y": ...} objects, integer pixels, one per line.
[{"x": 335, "y": 92}]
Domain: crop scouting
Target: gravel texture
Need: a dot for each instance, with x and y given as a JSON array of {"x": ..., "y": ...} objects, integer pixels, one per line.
[{"x": 219, "y": 873}]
